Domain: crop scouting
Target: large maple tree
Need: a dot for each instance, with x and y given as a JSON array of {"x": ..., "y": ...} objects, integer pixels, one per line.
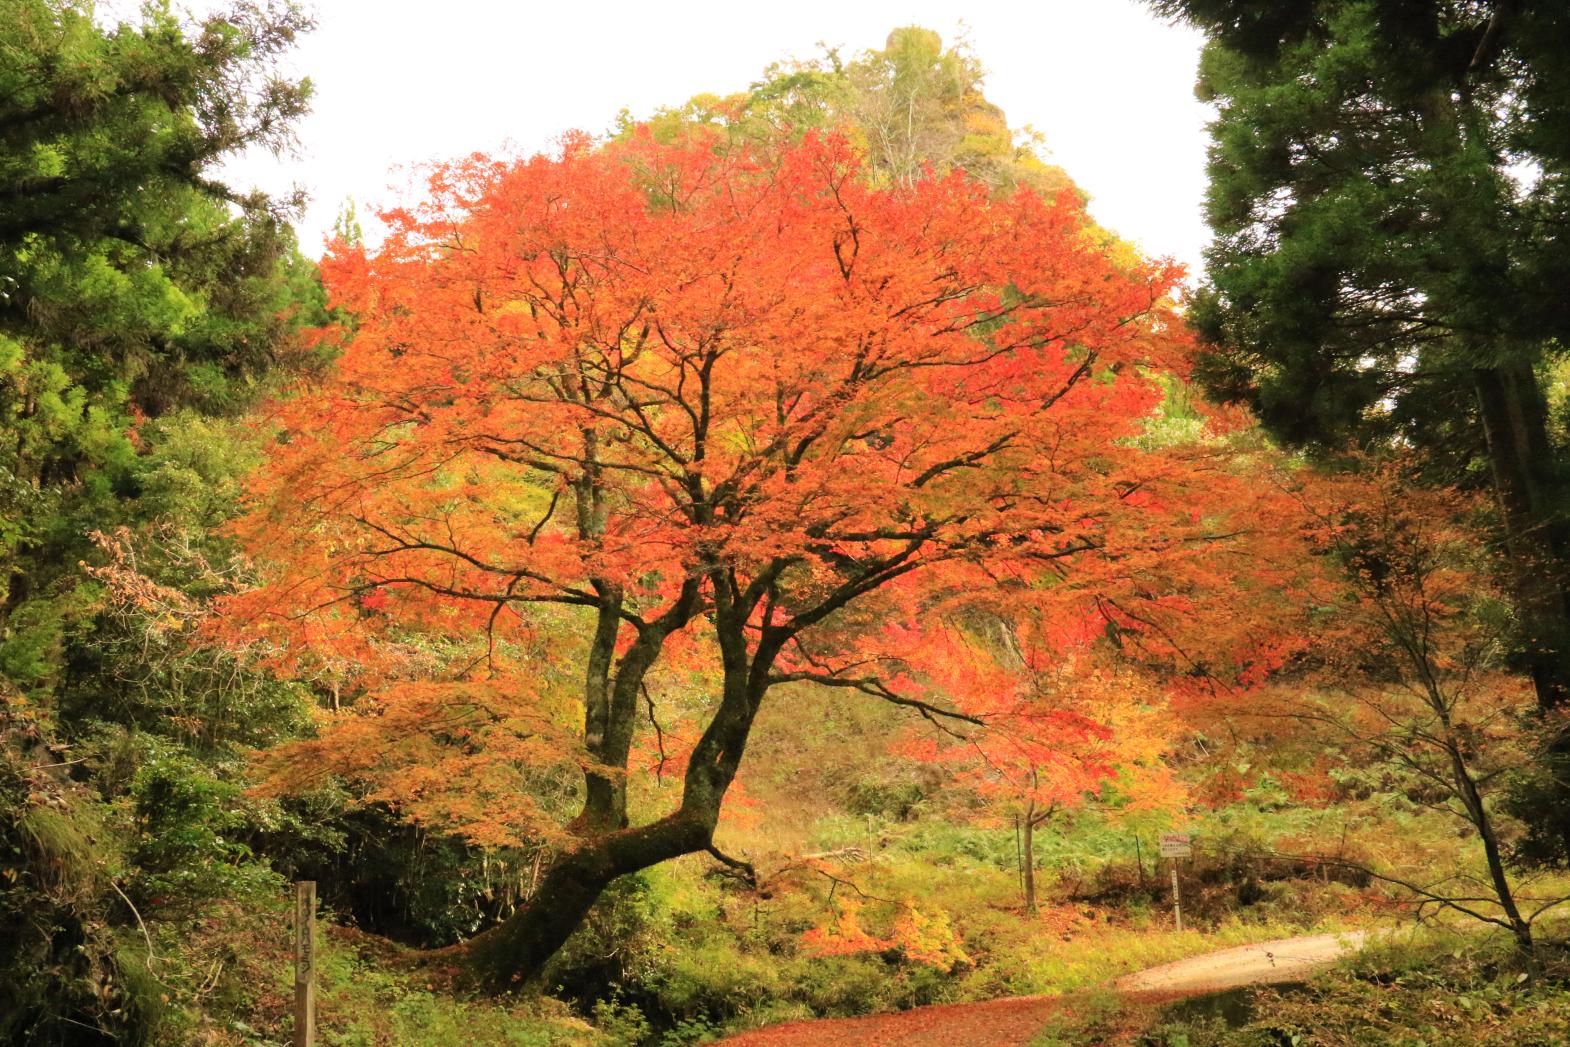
[{"x": 603, "y": 409}]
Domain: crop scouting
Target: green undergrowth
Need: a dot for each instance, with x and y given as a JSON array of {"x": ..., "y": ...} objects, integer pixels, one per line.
[
  {"x": 1437, "y": 987},
  {"x": 690, "y": 953},
  {"x": 684, "y": 953},
  {"x": 1088, "y": 1020},
  {"x": 227, "y": 978},
  {"x": 367, "y": 1004}
]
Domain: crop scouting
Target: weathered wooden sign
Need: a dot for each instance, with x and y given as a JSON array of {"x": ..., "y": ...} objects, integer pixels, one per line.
[{"x": 1176, "y": 845}]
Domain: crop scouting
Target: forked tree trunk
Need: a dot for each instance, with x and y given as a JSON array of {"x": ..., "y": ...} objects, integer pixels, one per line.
[{"x": 517, "y": 949}]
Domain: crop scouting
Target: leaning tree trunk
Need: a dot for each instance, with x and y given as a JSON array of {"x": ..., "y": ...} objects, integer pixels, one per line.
[
  {"x": 517, "y": 949},
  {"x": 1466, "y": 788}
]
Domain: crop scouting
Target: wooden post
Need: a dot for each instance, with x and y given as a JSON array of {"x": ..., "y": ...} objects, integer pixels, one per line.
[
  {"x": 1172, "y": 847},
  {"x": 305, "y": 963}
]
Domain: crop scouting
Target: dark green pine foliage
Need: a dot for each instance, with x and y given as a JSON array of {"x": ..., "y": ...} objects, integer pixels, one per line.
[
  {"x": 1390, "y": 196},
  {"x": 142, "y": 303},
  {"x": 133, "y": 283}
]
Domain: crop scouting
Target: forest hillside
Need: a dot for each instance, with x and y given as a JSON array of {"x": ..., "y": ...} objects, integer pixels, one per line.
[{"x": 779, "y": 558}]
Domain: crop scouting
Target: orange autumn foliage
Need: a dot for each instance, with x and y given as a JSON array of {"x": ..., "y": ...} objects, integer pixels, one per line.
[
  {"x": 918, "y": 936},
  {"x": 1062, "y": 719},
  {"x": 597, "y": 405}
]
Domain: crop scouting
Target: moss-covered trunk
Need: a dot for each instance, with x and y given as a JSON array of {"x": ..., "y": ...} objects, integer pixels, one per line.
[{"x": 517, "y": 949}]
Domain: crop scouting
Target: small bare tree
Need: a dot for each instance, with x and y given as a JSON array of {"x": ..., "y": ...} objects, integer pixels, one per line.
[{"x": 1417, "y": 650}]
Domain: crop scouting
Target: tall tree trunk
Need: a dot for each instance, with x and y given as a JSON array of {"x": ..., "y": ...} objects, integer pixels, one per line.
[
  {"x": 1528, "y": 485},
  {"x": 1531, "y": 495},
  {"x": 1515, "y": 423},
  {"x": 1030, "y": 858}
]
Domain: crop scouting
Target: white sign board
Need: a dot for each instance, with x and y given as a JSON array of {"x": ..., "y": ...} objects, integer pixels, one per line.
[{"x": 1175, "y": 845}]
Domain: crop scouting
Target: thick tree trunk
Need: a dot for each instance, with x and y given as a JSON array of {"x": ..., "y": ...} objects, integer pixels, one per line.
[
  {"x": 518, "y": 948},
  {"x": 1531, "y": 495}
]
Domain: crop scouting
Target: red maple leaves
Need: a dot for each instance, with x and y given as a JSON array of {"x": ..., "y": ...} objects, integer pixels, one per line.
[{"x": 601, "y": 404}]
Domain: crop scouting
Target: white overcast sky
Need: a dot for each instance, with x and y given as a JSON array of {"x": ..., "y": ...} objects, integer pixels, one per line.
[{"x": 400, "y": 82}]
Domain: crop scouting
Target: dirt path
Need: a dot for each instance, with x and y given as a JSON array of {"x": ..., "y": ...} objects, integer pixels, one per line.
[
  {"x": 996, "y": 1023},
  {"x": 1013, "y": 1022},
  {"x": 1282, "y": 960}
]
